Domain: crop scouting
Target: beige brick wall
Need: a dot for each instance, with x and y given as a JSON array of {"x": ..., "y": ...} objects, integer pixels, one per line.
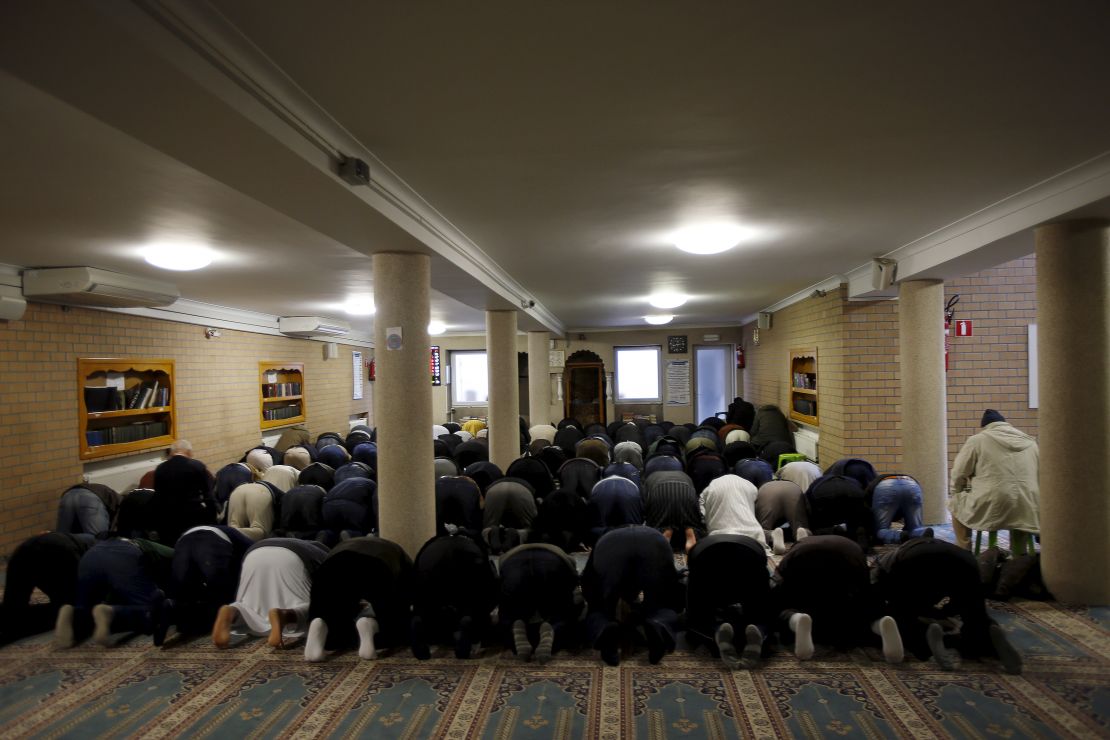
[
  {"x": 991, "y": 368},
  {"x": 812, "y": 323},
  {"x": 216, "y": 396},
  {"x": 858, "y": 373}
]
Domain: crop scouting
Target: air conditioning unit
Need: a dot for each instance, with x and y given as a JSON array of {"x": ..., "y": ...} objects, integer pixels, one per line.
[
  {"x": 312, "y": 326},
  {"x": 91, "y": 286}
]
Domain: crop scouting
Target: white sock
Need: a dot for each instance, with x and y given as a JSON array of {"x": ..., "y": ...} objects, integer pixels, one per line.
[
  {"x": 367, "y": 627},
  {"x": 887, "y": 628},
  {"x": 802, "y": 627},
  {"x": 314, "y": 643},
  {"x": 778, "y": 541}
]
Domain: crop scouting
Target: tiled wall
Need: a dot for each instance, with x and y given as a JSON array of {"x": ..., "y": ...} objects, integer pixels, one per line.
[
  {"x": 858, "y": 373},
  {"x": 216, "y": 396}
]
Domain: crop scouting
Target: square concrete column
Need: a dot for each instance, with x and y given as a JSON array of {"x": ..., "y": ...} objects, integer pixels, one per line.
[
  {"x": 504, "y": 393},
  {"x": 403, "y": 399},
  {"x": 924, "y": 401},
  {"x": 539, "y": 384},
  {"x": 1073, "y": 357}
]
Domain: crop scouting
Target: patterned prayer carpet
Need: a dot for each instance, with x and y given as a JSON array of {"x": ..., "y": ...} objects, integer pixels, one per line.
[{"x": 251, "y": 690}]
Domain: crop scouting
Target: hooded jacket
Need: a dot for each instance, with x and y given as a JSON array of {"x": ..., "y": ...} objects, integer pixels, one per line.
[{"x": 994, "y": 480}]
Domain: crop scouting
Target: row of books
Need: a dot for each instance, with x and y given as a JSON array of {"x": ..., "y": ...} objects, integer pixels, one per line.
[
  {"x": 140, "y": 396},
  {"x": 282, "y": 412},
  {"x": 805, "y": 380},
  {"x": 278, "y": 390},
  {"x": 126, "y": 433},
  {"x": 805, "y": 406}
]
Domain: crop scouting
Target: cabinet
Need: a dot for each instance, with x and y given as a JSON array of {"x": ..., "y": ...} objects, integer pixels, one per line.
[
  {"x": 125, "y": 405},
  {"x": 803, "y": 385},
  {"x": 281, "y": 394}
]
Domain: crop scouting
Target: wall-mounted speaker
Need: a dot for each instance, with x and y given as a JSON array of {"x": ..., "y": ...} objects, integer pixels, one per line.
[
  {"x": 882, "y": 273},
  {"x": 331, "y": 351},
  {"x": 12, "y": 308},
  {"x": 763, "y": 321}
]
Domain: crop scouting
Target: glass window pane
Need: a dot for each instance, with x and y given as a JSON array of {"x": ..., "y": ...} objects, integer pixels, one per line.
[
  {"x": 469, "y": 378},
  {"x": 638, "y": 373}
]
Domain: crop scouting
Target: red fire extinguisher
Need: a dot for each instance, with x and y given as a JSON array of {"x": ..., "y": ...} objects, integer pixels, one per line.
[
  {"x": 740, "y": 358},
  {"x": 370, "y": 369},
  {"x": 949, "y": 314}
]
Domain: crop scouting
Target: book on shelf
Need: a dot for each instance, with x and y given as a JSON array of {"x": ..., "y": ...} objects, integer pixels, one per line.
[
  {"x": 281, "y": 412},
  {"x": 280, "y": 390},
  {"x": 124, "y": 433}
]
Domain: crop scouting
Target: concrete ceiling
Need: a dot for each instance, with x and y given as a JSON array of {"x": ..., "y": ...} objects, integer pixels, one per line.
[{"x": 567, "y": 141}]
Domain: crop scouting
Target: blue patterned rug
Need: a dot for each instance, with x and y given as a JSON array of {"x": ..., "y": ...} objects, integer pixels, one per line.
[{"x": 251, "y": 690}]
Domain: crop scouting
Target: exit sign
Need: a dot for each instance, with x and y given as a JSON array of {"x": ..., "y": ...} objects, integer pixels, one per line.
[{"x": 963, "y": 328}]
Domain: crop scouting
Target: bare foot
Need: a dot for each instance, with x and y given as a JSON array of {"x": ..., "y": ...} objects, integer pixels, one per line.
[
  {"x": 691, "y": 540},
  {"x": 221, "y": 629},
  {"x": 278, "y": 619}
]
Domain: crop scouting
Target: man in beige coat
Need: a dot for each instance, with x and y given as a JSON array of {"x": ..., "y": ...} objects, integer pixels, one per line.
[{"x": 994, "y": 481}]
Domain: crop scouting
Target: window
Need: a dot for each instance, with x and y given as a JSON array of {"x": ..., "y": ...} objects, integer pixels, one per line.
[
  {"x": 638, "y": 374},
  {"x": 469, "y": 378}
]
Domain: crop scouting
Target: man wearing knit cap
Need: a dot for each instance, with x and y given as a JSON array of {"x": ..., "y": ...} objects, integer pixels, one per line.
[{"x": 994, "y": 481}]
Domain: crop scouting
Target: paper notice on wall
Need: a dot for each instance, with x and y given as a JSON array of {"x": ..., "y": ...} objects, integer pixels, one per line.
[
  {"x": 678, "y": 382},
  {"x": 356, "y": 391}
]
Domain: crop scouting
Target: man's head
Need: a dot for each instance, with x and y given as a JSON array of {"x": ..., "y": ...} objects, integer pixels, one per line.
[
  {"x": 990, "y": 416},
  {"x": 181, "y": 447}
]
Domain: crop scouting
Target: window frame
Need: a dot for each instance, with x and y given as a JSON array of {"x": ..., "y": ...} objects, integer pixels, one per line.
[
  {"x": 658, "y": 349},
  {"x": 454, "y": 382}
]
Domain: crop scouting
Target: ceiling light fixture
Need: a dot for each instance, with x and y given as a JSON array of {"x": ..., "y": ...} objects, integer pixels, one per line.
[
  {"x": 668, "y": 300},
  {"x": 359, "y": 306},
  {"x": 710, "y": 238},
  {"x": 659, "y": 318},
  {"x": 177, "y": 256},
  {"x": 436, "y": 328}
]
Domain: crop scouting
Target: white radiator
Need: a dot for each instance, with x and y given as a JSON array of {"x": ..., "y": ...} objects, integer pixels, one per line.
[
  {"x": 805, "y": 442},
  {"x": 122, "y": 475}
]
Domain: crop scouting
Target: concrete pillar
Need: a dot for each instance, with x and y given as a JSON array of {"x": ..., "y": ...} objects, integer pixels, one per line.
[
  {"x": 504, "y": 388},
  {"x": 403, "y": 400},
  {"x": 924, "y": 401},
  {"x": 1073, "y": 354},
  {"x": 539, "y": 381}
]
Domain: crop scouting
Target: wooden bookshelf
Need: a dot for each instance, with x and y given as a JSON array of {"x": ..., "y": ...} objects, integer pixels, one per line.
[
  {"x": 125, "y": 405},
  {"x": 281, "y": 394},
  {"x": 803, "y": 386}
]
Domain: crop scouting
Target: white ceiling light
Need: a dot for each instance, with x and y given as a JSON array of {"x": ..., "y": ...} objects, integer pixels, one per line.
[
  {"x": 668, "y": 300},
  {"x": 436, "y": 327},
  {"x": 710, "y": 238},
  {"x": 177, "y": 256},
  {"x": 660, "y": 318},
  {"x": 359, "y": 306}
]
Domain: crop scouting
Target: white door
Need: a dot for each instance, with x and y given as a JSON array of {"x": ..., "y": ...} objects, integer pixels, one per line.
[{"x": 714, "y": 379}]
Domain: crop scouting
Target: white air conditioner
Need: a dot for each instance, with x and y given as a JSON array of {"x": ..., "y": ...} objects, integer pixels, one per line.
[
  {"x": 312, "y": 326},
  {"x": 91, "y": 286}
]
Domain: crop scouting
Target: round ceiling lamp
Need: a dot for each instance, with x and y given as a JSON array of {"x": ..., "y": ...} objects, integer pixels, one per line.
[
  {"x": 659, "y": 319},
  {"x": 710, "y": 238},
  {"x": 177, "y": 256},
  {"x": 435, "y": 328},
  {"x": 667, "y": 300}
]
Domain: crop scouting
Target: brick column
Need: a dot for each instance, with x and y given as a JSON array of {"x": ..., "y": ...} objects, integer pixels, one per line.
[
  {"x": 403, "y": 400},
  {"x": 1073, "y": 354},
  {"x": 504, "y": 388},
  {"x": 539, "y": 383},
  {"x": 924, "y": 401}
]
